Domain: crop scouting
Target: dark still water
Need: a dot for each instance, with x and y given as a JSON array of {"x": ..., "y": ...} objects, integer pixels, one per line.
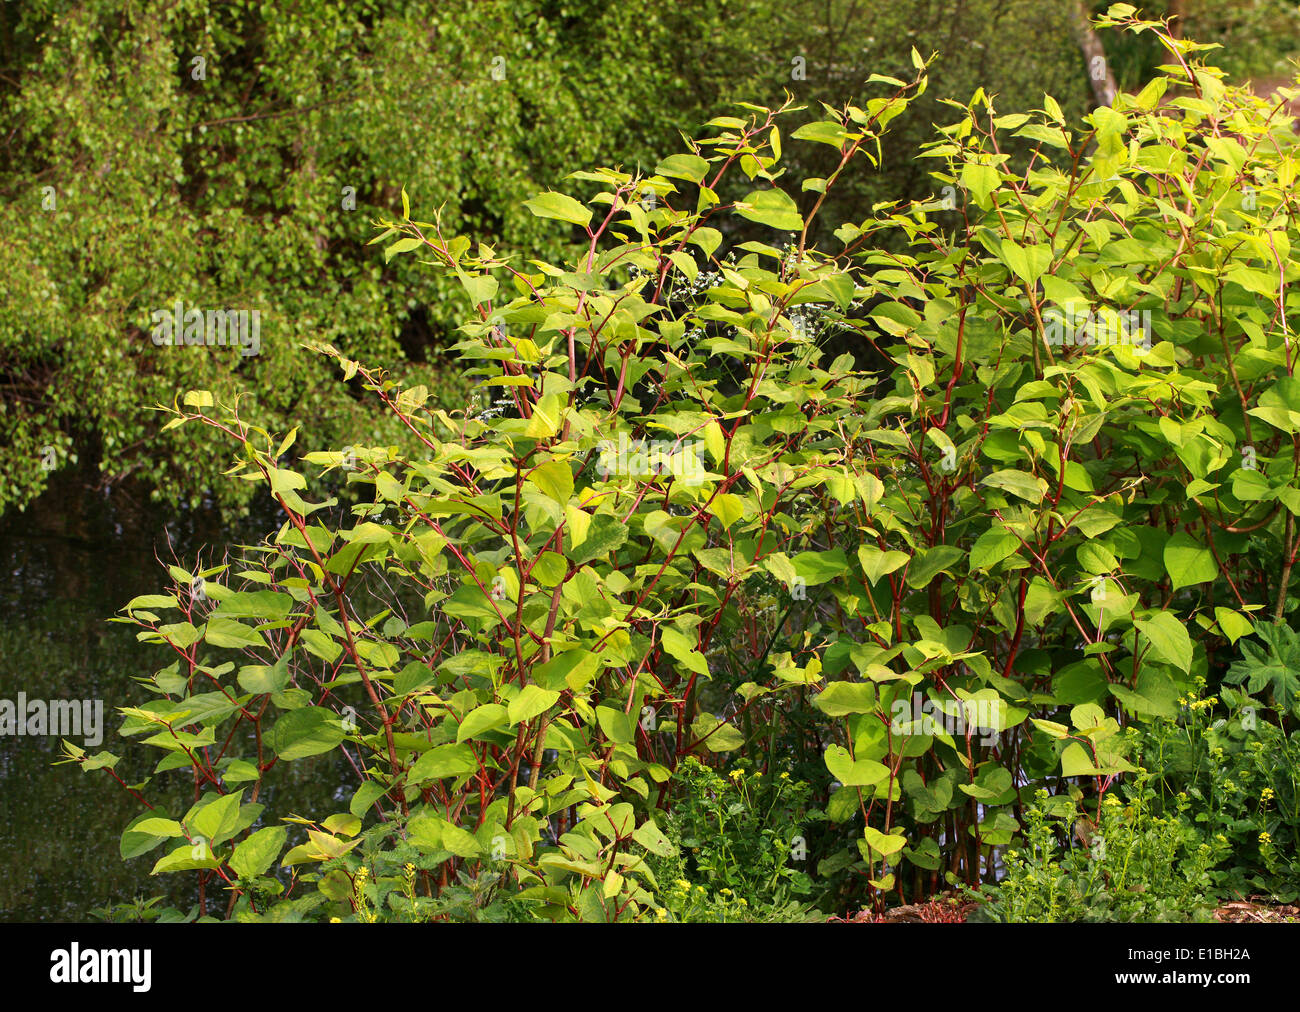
[{"x": 66, "y": 566}]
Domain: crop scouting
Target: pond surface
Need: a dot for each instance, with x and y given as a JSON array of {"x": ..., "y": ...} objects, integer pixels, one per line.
[{"x": 68, "y": 564}]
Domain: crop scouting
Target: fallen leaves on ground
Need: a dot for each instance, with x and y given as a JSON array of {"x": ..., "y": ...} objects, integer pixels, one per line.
[
  {"x": 942, "y": 909},
  {"x": 1257, "y": 910}
]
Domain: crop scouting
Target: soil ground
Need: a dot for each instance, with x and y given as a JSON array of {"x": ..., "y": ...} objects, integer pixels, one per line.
[{"x": 949, "y": 909}]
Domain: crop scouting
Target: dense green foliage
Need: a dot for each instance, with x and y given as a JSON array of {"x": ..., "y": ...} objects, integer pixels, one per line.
[
  {"x": 132, "y": 176},
  {"x": 249, "y": 182},
  {"x": 739, "y": 843},
  {"x": 1259, "y": 40},
  {"x": 1132, "y": 864},
  {"x": 673, "y": 529},
  {"x": 1241, "y": 776}
]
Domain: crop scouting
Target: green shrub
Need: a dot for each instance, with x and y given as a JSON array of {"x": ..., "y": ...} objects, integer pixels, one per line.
[
  {"x": 488, "y": 640},
  {"x": 1132, "y": 864},
  {"x": 133, "y": 177},
  {"x": 1241, "y": 772},
  {"x": 922, "y": 593},
  {"x": 739, "y": 846}
]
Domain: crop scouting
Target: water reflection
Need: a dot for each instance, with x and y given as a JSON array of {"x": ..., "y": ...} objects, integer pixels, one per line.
[{"x": 68, "y": 563}]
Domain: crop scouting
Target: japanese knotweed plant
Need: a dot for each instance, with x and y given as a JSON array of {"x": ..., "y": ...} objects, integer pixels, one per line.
[
  {"x": 506, "y": 648},
  {"x": 1087, "y": 449},
  {"x": 676, "y": 530}
]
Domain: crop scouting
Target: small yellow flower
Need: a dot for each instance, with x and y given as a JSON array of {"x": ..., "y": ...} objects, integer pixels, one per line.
[
  {"x": 336, "y": 920},
  {"x": 1265, "y": 839},
  {"x": 1266, "y": 794},
  {"x": 785, "y": 776},
  {"x": 725, "y": 892},
  {"x": 661, "y": 913},
  {"x": 736, "y": 774}
]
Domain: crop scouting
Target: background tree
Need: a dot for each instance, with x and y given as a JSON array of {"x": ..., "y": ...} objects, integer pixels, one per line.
[{"x": 233, "y": 155}]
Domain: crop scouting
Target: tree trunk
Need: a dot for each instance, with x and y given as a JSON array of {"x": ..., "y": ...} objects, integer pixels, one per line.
[
  {"x": 1177, "y": 14},
  {"x": 1094, "y": 56}
]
